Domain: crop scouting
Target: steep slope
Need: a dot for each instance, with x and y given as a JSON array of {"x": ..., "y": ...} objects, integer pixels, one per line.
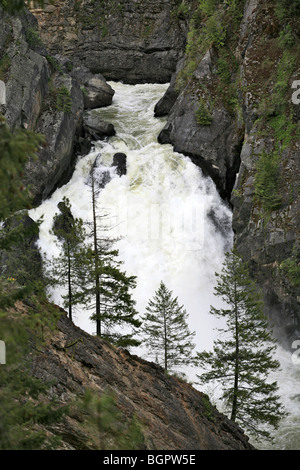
[{"x": 172, "y": 414}]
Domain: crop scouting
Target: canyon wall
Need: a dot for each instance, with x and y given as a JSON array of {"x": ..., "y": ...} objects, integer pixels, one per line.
[
  {"x": 235, "y": 117},
  {"x": 229, "y": 108},
  {"x": 134, "y": 41},
  {"x": 231, "y": 67}
]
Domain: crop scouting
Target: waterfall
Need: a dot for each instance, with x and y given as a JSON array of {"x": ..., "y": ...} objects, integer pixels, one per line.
[
  {"x": 170, "y": 222},
  {"x": 168, "y": 217}
]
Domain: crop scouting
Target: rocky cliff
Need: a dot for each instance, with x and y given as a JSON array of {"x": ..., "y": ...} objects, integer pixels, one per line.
[
  {"x": 46, "y": 95},
  {"x": 232, "y": 66},
  {"x": 134, "y": 41},
  {"x": 170, "y": 413},
  {"x": 234, "y": 116}
]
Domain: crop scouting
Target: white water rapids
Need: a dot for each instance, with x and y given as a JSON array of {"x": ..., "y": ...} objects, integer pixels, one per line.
[{"x": 171, "y": 221}]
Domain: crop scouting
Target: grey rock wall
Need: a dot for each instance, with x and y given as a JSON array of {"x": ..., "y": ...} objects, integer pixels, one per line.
[{"x": 134, "y": 41}]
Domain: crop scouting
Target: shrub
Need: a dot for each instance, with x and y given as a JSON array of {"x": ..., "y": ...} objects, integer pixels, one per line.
[
  {"x": 64, "y": 101},
  {"x": 203, "y": 114},
  {"x": 267, "y": 181},
  {"x": 33, "y": 37},
  {"x": 290, "y": 267},
  {"x": 4, "y": 67}
]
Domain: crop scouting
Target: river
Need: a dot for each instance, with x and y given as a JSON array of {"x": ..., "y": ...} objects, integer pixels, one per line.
[{"x": 170, "y": 222}]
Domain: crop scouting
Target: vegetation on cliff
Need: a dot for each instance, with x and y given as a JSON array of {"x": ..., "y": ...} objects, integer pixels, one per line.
[
  {"x": 256, "y": 98},
  {"x": 243, "y": 355}
]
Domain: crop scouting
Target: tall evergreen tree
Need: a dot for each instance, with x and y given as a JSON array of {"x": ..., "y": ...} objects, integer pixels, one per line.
[
  {"x": 166, "y": 330},
  {"x": 243, "y": 359},
  {"x": 109, "y": 288},
  {"x": 69, "y": 268}
]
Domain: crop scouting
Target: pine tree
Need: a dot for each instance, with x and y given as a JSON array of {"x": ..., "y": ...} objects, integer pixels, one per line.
[
  {"x": 69, "y": 268},
  {"x": 243, "y": 359},
  {"x": 166, "y": 330},
  {"x": 109, "y": 288}
]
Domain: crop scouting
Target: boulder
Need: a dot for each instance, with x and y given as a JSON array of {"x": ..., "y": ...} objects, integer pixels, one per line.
[
  {"x": 96, "y": 128},
  {"x": 97, "y": 93},
  {"x": 119, "y": 160}
]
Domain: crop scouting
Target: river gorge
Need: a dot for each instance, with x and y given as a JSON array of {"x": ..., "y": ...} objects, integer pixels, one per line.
[{"x": 170, "y": 223}]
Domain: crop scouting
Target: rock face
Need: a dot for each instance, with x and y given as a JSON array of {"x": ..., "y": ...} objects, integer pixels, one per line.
[
  {"x": 235, "y": 118},
  {"x": 97, "y": 93},
  {"x": 134, "y": 41},
  {"x": 267, "y": 222},
  {"x": 26, "y": 74},
  {"x": 96, "y": 127},
  {"x": 215, "y": 147},
  {"x": 41, "y": 99},
  {"x": 173, "y": 415},
  {"x": 60, "y": 126},
  {"x": 42, "y": 95}
]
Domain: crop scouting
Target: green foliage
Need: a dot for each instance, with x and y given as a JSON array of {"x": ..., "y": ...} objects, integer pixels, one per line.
[
  {"x": 203, "y": 114},
  {"x": 165, "y": 326},
  {"x": 214, "y": 24},
  {"x": 33, "y": 37},
  {"x": 242, "y": 356},
  {"x": 216, "y": 30},
  {"x": 224, "y": 71},
  {"x": 109, "y": 288},
  {"x": 108, "y": 283},
  {"x": 182, "y": 11},
  {"x": 13, "y": 6},
  {"x": 67, "y": 269},
  {"x": 15, "y": 148},
  {"x": 290, "y": 267},
  {"x": 24, "y": 402},
  {"x": 285, "y": 68},
  {"x": 64, "y": 100},
  {"x": 54, "y": 63},
  {"x": 5, "y": 63},
  {"x": 284, "y": 130},
  {"x": 22, "y": 262},
  {"x": 208, "y": 408},
  {"x": 207, "y": 7},
  {"x": 286, "y": 37},
  {"x": 115, "y": 431},
  {"x": 88, "y": 268},
  {"x": 267, "y": 181},
  {"x": 287, "y": 9}
]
